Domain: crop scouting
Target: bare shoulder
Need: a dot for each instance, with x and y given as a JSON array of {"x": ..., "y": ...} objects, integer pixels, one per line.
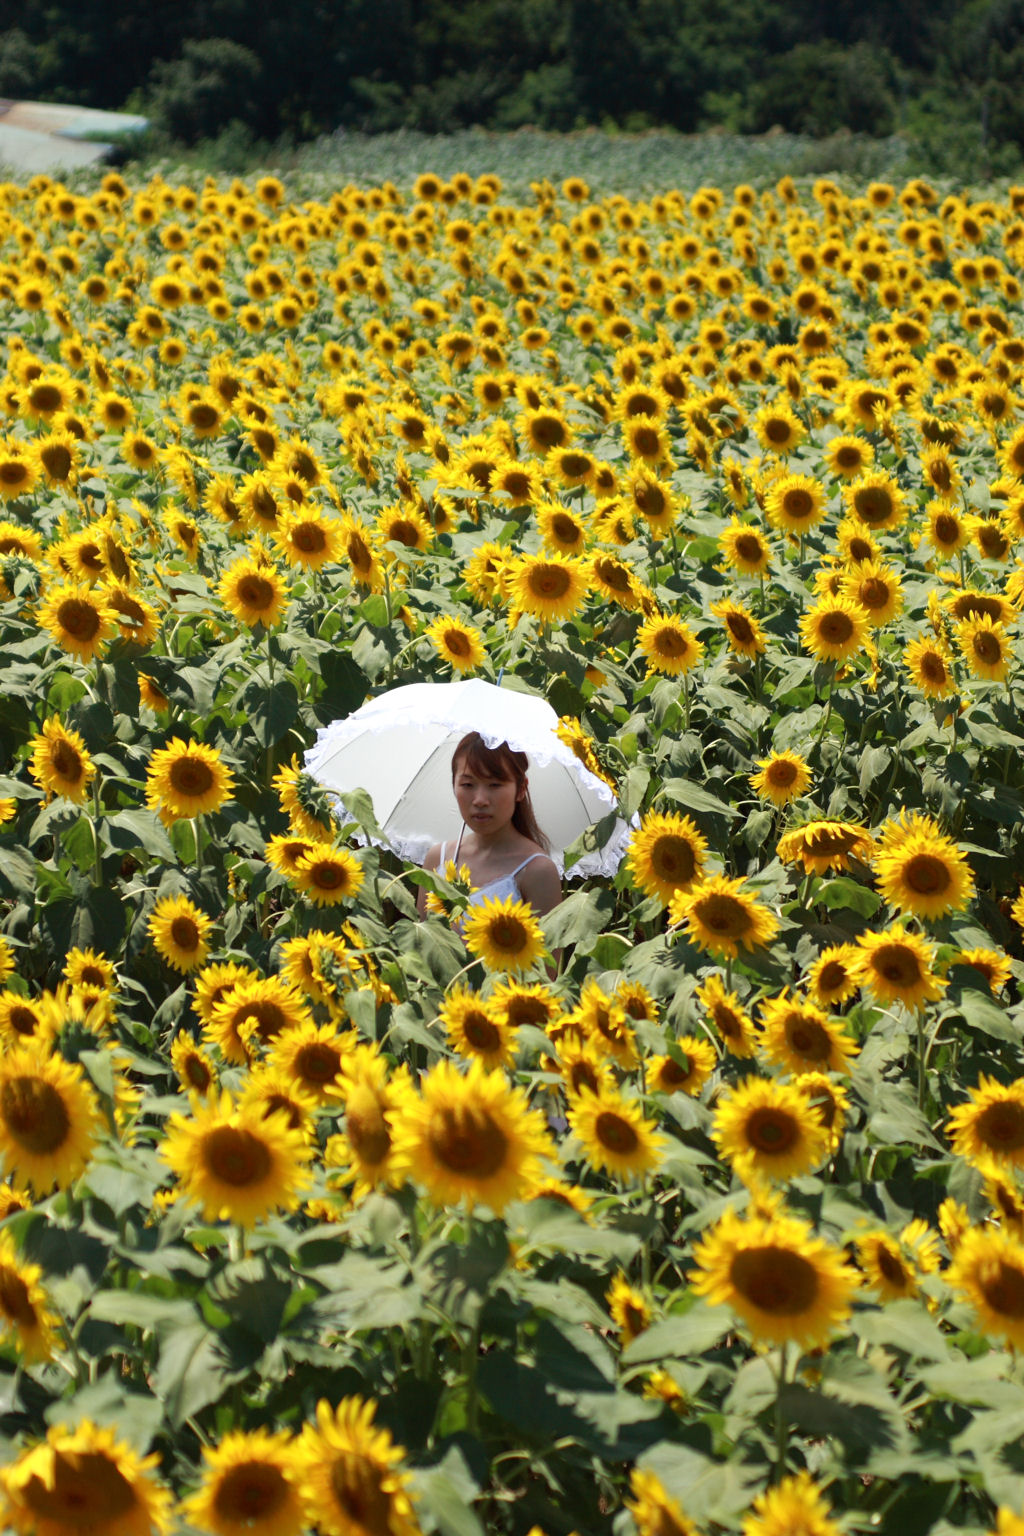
[
  {"x": 541, "y": 884},
  {"x": 432, "y": 858}
]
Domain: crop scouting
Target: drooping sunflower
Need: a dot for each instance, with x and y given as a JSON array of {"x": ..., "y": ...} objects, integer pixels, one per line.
[
  {"x": 180, "y": 932},
  {"x": 686, "y": 1070},
  {"x": 742, "y": 630},
  {"x": 374, "y": 1100},
  {"x": 82, "y": 1480},
  {"x": 666, "y": 854},
  {"x": 920, "y": 871},
  {"x": 351, "y": 1474},
  {"x": 550, "y": 587},
  {"x": 457, "y": 643},
  {"x": 930, "y": 666},
  {"x": 25, "y": 1316},
  {"x": 519, "y": 1003},
  {"x": 601, "y": 1019},
  {"x": 269, "y": 1090},
  {"x": 187, "y": 779},
  {"x": 834, "y": 629},
  {"x": 614, "y": 1133},
  {"x": 196, "y": 1072},
  {"x": 888, "y": 1270},
  {"x": 249, "y": 1487},
  {"x": 795, "y": 1507},
  {"x": 988, "y": 1130},
  {"x": 730, "y": 1020},
  {"x": 823, "y": 845},
  {"x": 49, "y": 1118},
  {"x": 474, "y": 1029},
  {"x": 766, "y": 1130},
  {"x": 584, "y": 1066},
  {"x": 784, "y": 1281},
  {"x": 800, "y": 1038},
  {"x": 60, "y": 763},
  {"x": 655, "y": 1512},
  {"x": 629, "y": 1308},
  {"x": 989, "y": 963},
  {"x": 234, "y": 1163},
  {"x": 504, "y": 934},
  {"x": 898, "y": 967},
  {"x": 669, "y": 645},
  {"x": 18, "y": 469},
  {"x": 988, "y": 1270},
  {"x": 781, "y": 777},
  {"x": 254, "y": 592},
  {"x": 721, "y": 914},
  {"x": 471, "y": 1136},
  {"x": 327, "y": 875},
  {"x": 829, "y": 1101},
  {"x": 80, "y": 621}
]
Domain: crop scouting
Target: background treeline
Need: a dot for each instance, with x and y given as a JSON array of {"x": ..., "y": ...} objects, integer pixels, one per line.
[{"x": 945, "y": 72}]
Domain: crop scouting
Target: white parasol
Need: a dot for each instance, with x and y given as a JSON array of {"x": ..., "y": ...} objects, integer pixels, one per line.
[{"x": 398, "y": 747}]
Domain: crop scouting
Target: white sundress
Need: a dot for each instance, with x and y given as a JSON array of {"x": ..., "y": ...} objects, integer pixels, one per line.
[{"x": 494, "y": 890}]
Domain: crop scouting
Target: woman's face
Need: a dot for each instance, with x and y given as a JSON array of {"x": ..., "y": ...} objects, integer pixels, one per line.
[{"x": 486, "y": 803}]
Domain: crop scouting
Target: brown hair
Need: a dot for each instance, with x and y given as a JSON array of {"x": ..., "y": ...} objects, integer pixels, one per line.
[{"x": 501, "y": 762}]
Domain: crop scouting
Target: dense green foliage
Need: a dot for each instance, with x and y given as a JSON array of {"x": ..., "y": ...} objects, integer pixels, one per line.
[{"x": 944, "y": 73}]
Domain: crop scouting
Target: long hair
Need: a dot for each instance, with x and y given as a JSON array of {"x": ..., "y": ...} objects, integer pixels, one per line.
[{"x": 501, "y": 762}]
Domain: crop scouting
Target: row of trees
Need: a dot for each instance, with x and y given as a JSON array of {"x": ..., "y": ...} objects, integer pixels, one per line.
[{"x": 873, "y": 66}]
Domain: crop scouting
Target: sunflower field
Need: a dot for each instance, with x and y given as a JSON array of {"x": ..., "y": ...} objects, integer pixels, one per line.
[{"x": 696, "y": 1206}]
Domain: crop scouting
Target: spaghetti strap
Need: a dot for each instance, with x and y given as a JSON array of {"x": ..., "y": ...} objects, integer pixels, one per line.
[{"x": 523, "y": 865}]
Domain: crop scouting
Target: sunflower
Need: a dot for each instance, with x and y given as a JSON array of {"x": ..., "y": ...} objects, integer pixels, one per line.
[
  {"x": 18, "y": 469},
  {"x": 778, "y": 429},
  {"x": 824, "y": 845},
  {"x": 686, "y": 1070},
  {"x": 848, "y": 456},
  {"x": 374, "y": 1101},
  {"x": 307, "y": 539},
  {"x": 766, "y": 1130},
  {"x": 833, "y": 977},
  {"x": 889, "y": 1271},
  {"x": 518, "y": 1003},
  {"x": 732, "y": 1023},
  {"x": 180, "y": 932},
  {"x": 602, "y": 1020},
  {"x": 504, "y": 934},
  {"x": 745, "y": 549},
  {"x": 471, "y": 1136},
  {"x": 930, "y": 666},
  {"x": 795, "y": 1507},
  {"x": 22, "y": 1018},
  {"x": 655, "y": 1512},
  {"x": 742, "y": 630},
  {"x": 898, "y": 967},
  {"x": 920, "y": 871},
  {"x": 82, "y": 1480},
  {"x": 459, "y": 644},
  {"x": 249, "y": 1487},
  {"x": 985, "y": 647},
  {"x": 187, "y": 779},
  {"x": 551, "y": 588},
  {"x": 988, "y": 963},
  {"x": 720, "y": 914},
  {"x": 60, "y": 763},
  {"x": 78, "y": 620},
  {"x": 989, "y": 1129},
  {"x": 988, "y": 1271},
  {"x": 583, "y": 1064},
  {"x": 876, "y": 500},
  {"x": 196, "y": 1072},
  {"x": 254, "y": 1007},
  {"x": 269, "y": 1090},
  {"x": 235, "y": 1164},
  {"x": 946, "y": 530},
  {"x": 254, "y": 592},
  {"x": 875, "y": 588},
  {"x": 327, "y": 875},
  {"x": 614, "y": 1134},
  {"x": 834, "y": 629},
  {"x": 350, "y": 1474},
  {"x": 25, "y": 1317},
  {"x": 795, "y": 503},
  {"x": 561, "y": 528},
  {"x": 799, "y": 1038},
  {"x": 829, "y": 1101},
  {"x": 666, "y": 854},
  {"x": 783, "y": 1281},
  {"x": 669, "y": 645},
  {"x": 474, "y": 1028},
  {"x": 313, "y": 1056},
  {"x": 49, "y": 1118},
  {"x": 782, "y": 777},
  {"x": 629, "y": 1308}
]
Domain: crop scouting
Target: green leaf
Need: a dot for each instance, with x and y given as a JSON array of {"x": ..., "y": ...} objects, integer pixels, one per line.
[
  {"x": 444, "y": 1494},
  {"x": 677, "y": 1338},
  {"x": 578, "y": 920},
  {"x": 980, "y": 1011},
  {"x": 846, "y": 895},
  {"x": 683, "y": 792},
  {"x": 271, "y": 712},
  {"x": 903, "y": 1325},
  {"x": 139, "y": 829},
  {"x": 138, "y": 1309},
  {"x": 190, "y": 1371}
]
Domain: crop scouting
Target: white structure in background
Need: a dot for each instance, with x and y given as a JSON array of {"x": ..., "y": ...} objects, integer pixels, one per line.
[{"x": 49, "y": 136}]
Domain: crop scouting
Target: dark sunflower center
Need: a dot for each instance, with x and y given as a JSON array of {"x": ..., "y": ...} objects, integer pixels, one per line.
[
  {"x": 14, "y": 472},
  {"x": 1002, "y": 1286},
  {"x": 775, "y": 1280},
  {"x": 185, "y": 933},
  {"x": 328, "y": 875},
  {"x": 198, "y": 1073},
  {"x": 66, "y": 761},
  {"x": 356, "y": 1486},
  {"x": 250, "y": 1492},
  {"x": 987, "y": 648},
  {"x": 672, "y": 859},
  {"x": 85, "y": 1490},
  {"x": 35, "y": 1114},
  {"x": 749, "y": 548},
  {"x": 263, "y": 505},
  {"x": 741, "y": 629},
  {"x": 368, "y": 1133},
  {"x": 897, "y": 965},
  {"x": 673, "y": 1075},
  {"x": 564, "y": 529},
  {"x": 874, "y": 593},
  {"x": 771, "y": 1130},
  {"x": 836, "y": 628},
  {"x": 236, "y": 1156},
  {"x": 508, "y": 934},
  {"x": 481, "y": 1032},
  {"x": 15, "y": 1303},
  {"x": 548, "y": 432},
  {"x": 22, "y": 1019},
  {"x": 646, "y": 442},
  {"x": 268, "y": 1017},
  {"x": 849, "y": 457},
  {"x": 457, "y": 643},
  {"x": 56, "y": 458},
  {"x": 615, "y": 1133},
  {"x": 873, "y": 505},
  {"x": 78, "y": 618},
  {"x": 256, "y": 592},
  {"x": 782, "y": 773},
  {"x": 891, "y": 1267},
  {"x": 724, "y": 915},
  {"x": 191, "y": 776},
  {"x": 778, "y": 430},
  {"x": 549, "y": 582},
  {"x": 798, "y": 504},
  {"x": 926, "y": 875},
  {"x": 468, "y": 1142},
  {"x": 940, "y": 475},
  {"x": 833, "y": 976},
  {"x": 613, "y": 575},
  {"x": 1001, "y": 1126},
  {"x": 310, "y": 538},
  {"x": 318, "y": 1063},
  {"x": 859, "y": 550},
  {"x": 933, "y": 668}
]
